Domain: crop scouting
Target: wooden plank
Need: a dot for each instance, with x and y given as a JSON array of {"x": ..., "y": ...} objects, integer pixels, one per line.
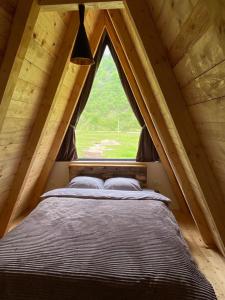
[
  {"x": 156, "y": 8},
  {"x": 137, "y": 67},
  {"x": 19, "y": 136},
  {"x": 40, "y": 57},
  {"x": 215, "y": 149},
  {"x": 9, "y": 6},
  {"x": 5, "y": 183},
  {"x": 210, "y": 111},
  {"x": 49, "y": 31},
  {"x": 73, "y": 4},
  {"x": 22, "y": 109},
  {"x": 27, "y": 92},
  {"x": 23, "y": 24},
  {"x": 146, "y": 116},
  {"x": 5, "y": 23},
  {"x": 10, "y": 128},
  {"x": 207, "y": 52},
  {"x": 208, "y": 86},
  {"x": 11, "y": 151},
  {"x": 98, "y": 28},
  {"x": 196, "y": 25},
  {"x": 38, "y": 130},
  {"x": 32, "y": 74},
  {"x": 169, "y": 96},
  {"x": 173, "y": 15},
  {"x": 212, "y": 131}
]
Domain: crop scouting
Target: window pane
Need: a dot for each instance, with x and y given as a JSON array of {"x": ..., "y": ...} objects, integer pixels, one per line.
[{"x": 108, "y": 127}]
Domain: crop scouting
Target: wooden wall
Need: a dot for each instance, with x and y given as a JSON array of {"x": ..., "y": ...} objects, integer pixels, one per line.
[
  {"x": 28, "y": 101},
  {"x": 193, "y": 33},
  {"x": 42, "y": 53},
  {"x": 45, "y": 50},
  {"x": 11, "y": 137}
]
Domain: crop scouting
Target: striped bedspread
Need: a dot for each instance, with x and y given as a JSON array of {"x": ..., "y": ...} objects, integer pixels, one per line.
[{"x": 99, "y": 249}]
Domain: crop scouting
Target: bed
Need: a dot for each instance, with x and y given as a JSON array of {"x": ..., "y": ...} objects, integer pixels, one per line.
[{"x": 87, "y": 244}]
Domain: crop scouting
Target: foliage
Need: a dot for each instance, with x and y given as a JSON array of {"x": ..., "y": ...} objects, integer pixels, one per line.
[
  {"x": 107, "y": 107},
  {"x": 107, "y": 127}
]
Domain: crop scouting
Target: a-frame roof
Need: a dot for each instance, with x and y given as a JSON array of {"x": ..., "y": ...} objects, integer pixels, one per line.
[{"x": 153, "y": 82}]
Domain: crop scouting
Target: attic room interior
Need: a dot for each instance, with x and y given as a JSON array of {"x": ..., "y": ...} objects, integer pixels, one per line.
[{"x": 112, "y": 149}]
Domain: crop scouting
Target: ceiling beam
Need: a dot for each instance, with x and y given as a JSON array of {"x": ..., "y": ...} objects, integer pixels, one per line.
[
  {"x": 137, "y": 66},
  {"x": 81, "y": 76},
  {"x": 171, "y": 100},
  {"x": 21, "y": 32},
  {"x": 73, "y": 4},
  {"x": 145, "y": 114},
  {"x": 43, "y": 116}
]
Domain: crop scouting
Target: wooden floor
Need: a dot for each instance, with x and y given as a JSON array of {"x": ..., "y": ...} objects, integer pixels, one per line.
[{"x": 210, "y": 262}]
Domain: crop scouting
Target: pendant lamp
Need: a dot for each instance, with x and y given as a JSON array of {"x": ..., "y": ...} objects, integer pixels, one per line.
[{"x": 81, "y": 54}]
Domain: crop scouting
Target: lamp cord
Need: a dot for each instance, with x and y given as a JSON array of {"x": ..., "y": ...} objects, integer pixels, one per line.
[{"x": 81, "y": 13}]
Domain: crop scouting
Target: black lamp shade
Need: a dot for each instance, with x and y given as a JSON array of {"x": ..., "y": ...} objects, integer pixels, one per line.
[{"x": 81, "y": 54}]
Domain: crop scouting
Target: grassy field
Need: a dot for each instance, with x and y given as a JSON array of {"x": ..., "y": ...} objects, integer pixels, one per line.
[{"x": 111, "y": 144}]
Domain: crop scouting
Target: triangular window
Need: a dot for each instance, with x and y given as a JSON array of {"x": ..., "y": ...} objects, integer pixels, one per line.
[
  {"x": 107, "y": 122},
  {"x": 107, "y": 128}
]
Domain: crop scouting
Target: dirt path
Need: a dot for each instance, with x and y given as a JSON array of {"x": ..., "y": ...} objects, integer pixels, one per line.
[{"x": 98, "y": 149}]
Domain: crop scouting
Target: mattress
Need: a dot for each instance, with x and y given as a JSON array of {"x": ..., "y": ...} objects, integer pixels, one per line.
[{"x": 89, "y": 245}]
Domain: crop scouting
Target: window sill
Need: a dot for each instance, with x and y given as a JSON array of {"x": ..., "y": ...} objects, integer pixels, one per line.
[{"x": 108, "y": 162}]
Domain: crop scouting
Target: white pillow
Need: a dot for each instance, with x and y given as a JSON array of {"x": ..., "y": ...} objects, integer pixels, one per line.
[
  {"x": 122, "y": 183},
  {"x": 86, "y": 182}
]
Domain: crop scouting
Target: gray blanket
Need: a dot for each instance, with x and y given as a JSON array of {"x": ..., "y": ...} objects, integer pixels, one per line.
[{"x": 95, "y": 249}]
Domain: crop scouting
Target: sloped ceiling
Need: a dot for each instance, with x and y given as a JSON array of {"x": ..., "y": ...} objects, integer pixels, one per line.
[{"x": 179, "y": 78}]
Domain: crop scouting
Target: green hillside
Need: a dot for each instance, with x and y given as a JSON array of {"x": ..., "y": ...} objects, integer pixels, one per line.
[{"x": 107, "y": 107}]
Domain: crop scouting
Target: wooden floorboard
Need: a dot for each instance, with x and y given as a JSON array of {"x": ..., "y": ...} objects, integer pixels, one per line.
[{"x": 209, "y": 261}]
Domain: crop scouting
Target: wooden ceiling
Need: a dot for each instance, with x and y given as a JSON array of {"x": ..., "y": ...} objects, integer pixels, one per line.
[{"x": 165, "y": 49}]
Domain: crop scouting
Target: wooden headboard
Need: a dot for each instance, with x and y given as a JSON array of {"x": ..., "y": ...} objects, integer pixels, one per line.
[{"x": 106, "y": 170}]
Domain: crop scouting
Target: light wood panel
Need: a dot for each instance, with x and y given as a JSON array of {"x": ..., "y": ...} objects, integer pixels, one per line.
[
  {"x": 210, "y": 111},
  {"x": 21, "y": 32},
  {"x": 146, "y": 116},
  {"x": 73, "y": 5},
  {"x": 174, "y": 14},
  {"x": 204, "y": 54},
  {"x": 25, "y": 92},
  {"x": 29, "y": 92},
  {"x": 169, "y": 96},
  {"x": 43, "y": 117},
  {"x": 157, "y": 8},
  {"x": 195, "y": 26},
  {"x": 49, "y": 31},
  {"x": 201, "y": 76},
  {"x": 213, "y": 130},
  {"x": 9, "y": 5},
  {"x": 6, "y": 16},
  {"x": 138, "y": 69},
  {"x": 208, "y": 86},
  {"x": 80, "y": 76}
]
